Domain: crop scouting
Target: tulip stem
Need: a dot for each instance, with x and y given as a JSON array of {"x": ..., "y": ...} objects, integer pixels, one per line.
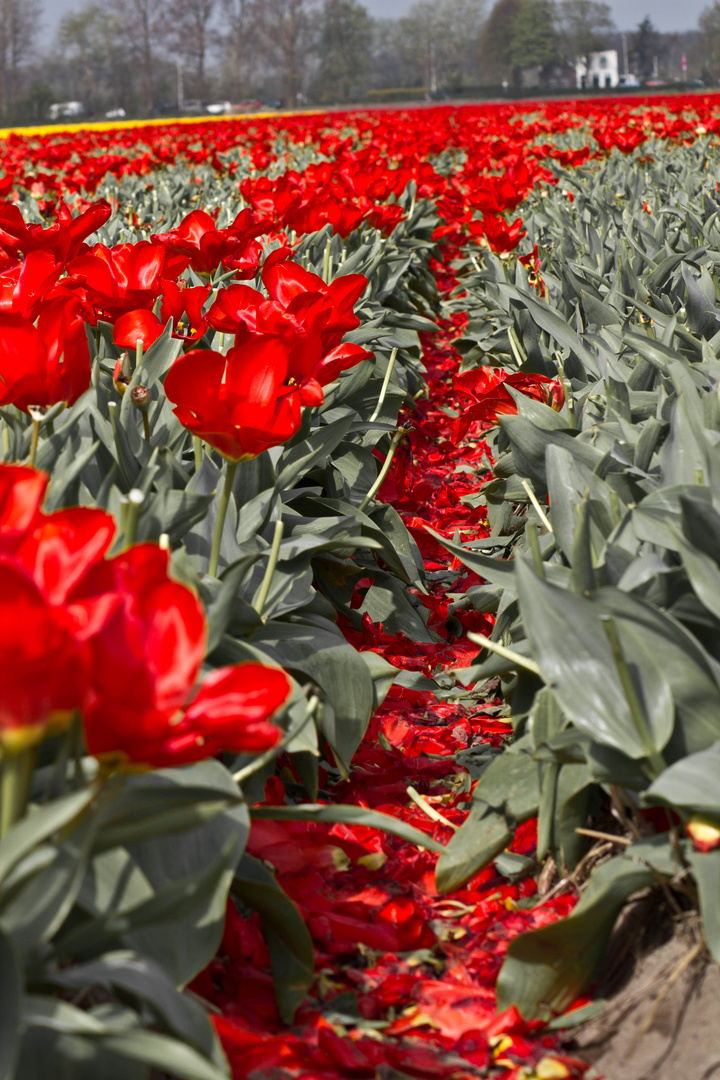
[
  {"x": 395, "y": 442},
  {"x": 15, "y": 775},
  {"x": 139, "y": 349},
  {"x": 132, "y": 515},
  {"x": 221, "y": 514},
  {"x": 538, "y": 508},
  {"x": 326, "y": 262},
  {"x": 515, "y": 658},
  {"x": 198, "y": 448},
  {"x": 383, "y": 389},
  {"x": 518, "y": 351},
  {"x": 35, "y": 437},
  {"x": 270, "y": 568},
  {"x": 654, "y": 757}
]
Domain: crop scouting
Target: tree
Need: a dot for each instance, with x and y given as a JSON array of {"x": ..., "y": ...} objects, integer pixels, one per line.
[
  {"x": 189, "y": 25},
  {"x": 646, "y": 46},
  {"x": 286, "y": 35},
  {"x": 584, "y": 26},
  {"x": 146, "y": 31},
  {"x": 345, "y": 47},
  {"x": 495, "y": 47},
  {"x": 239, "y": 48},
  {"x": 535, "y": 41},
  {"x": 386, "y": 65},
  {"x": 710, "y": 38},
  {"x": 19, "y": 22},
  {"x": 437, "y": 42},
  {"x": 97, "y": 67}
]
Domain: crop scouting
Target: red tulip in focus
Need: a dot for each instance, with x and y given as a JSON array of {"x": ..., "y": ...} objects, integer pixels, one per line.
[
  {"x": 135, "y": 326},
  {"x": 123, "y": 278},
  {"x": 238, "y": 403},
  {"x": 183, "y": 306},
  {"x": 500, "y": 237},
  {"x": 312, "y": 317},
  {"x": 199, "y": 240},
  {"x": 44, "y": 363},
  {"x": 27, "y": 283}
]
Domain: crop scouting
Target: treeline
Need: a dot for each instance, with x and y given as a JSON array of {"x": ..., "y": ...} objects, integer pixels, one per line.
[{"x": 155, "y": 57}]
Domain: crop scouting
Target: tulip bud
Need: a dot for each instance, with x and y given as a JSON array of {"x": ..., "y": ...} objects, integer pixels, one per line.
[
  {"x": 140, "y": 398},
  {"x": 121, "y": 373}
]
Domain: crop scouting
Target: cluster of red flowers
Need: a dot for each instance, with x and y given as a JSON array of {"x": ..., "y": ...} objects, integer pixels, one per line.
[
  {"x": 286, "y": 348},
  {"x": 113, "y": 639}
]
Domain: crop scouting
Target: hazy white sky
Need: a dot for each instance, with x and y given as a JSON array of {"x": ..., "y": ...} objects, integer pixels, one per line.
[{"x": 667, "y": 15}]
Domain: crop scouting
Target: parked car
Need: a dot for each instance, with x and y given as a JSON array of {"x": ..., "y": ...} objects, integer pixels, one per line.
[
  {"x": 626, "y": 81},
  {"x": 219, "y": 107},
  {"x": 247, "y": 106},
  {"x": 115, "y": 114},
  {"x": 66, "y": 108}
]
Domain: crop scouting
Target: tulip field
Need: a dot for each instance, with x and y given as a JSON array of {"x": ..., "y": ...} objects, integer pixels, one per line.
[{"x": 359, "y": 584}]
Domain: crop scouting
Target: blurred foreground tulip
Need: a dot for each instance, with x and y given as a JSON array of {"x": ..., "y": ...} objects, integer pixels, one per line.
[{"x": 116, "y": 641}]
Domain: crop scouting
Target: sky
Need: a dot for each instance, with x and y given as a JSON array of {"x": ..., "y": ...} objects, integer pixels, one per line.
[{"x": 667, "y": 15}]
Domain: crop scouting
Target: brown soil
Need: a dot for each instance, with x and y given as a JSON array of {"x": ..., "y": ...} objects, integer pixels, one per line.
[{"x": 662, "y": 1017}]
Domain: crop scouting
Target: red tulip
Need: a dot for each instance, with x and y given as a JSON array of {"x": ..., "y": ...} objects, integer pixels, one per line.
[
  {"x": 143, "y": 325},
  {"x": 134, "y": 326},
  {"x": 64, "y": 239},
  {"x": 205, "y": 246},
  {"x": 59, "y": 549},
  {"x": 22, "y": 490},
  {"x": 238, "y": 308},
  {"x": 486, "y": 388},
  {"x": 146, "y": 655},
  {"x": 41, "y": 365},
  {"x": 25, "y": 284},
  {"x": 42, "y": 673},
  {"x": 500, "y": 237},
  {"x": 114, "y": 639},
  {"x": 122, "y": 278},
  {"x": 323, "y": 314},
  {"x": 311, "y": 316},
  {"x": 238, "y": 403},
  {"x": 185, "y": 307}
]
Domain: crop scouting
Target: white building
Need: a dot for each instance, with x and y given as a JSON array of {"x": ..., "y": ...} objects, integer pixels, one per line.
[{"x": 597, "y": 71}]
